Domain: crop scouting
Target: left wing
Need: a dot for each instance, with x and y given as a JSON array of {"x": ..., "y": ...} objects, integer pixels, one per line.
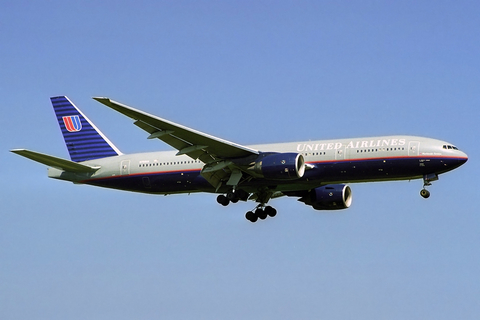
[
  {"x": 216, "y": 153},
  {"x": 195, "y": 144}
]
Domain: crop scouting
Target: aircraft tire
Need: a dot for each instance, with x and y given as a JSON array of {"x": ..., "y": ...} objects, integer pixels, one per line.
[
  {"x": 271, "y": 211},
  {"x": 262, "y": 214},
  {"x": 232, "y": 196},
  {"x": 425, "y": 193},
  {"x": 250, "y": 216},
  {"x": 223, "y": 200}
]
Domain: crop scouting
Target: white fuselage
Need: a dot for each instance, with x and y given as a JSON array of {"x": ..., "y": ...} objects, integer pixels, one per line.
[{"x": 330, "y": 161}]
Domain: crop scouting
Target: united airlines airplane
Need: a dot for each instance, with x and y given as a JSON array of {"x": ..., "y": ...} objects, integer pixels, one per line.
[{"x": 315, "y": 172}]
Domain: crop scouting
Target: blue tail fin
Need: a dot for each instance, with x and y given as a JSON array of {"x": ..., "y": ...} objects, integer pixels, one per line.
[{"x": 84, "y": 141}]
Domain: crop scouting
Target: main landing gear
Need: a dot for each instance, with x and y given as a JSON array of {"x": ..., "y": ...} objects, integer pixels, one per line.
[
  {"x": 233, "y": 197},
  {"x": 427, "y": 181},
  {"x": 260, "y": 212}
]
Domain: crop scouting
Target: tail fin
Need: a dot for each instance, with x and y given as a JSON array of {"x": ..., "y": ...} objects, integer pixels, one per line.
[{"x": 84, "y": 141}]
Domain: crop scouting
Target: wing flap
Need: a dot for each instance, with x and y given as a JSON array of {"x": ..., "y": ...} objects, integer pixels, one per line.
[
  {"x": 164, "y": 135},
  {"x": 58, "y": 163},
  {"x": 169, "y": 138}
]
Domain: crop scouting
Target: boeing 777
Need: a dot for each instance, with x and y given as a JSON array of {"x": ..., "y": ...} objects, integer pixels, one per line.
[{"x": 315, "y": 172}]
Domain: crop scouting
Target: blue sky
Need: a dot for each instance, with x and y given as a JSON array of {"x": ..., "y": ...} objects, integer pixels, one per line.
[{"x": 250, "y": 72}]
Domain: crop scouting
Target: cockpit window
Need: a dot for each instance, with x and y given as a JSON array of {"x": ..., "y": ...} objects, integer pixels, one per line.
[{"x": 449, "y": 147}]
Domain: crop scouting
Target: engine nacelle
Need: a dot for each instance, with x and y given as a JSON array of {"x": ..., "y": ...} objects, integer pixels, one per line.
[
  {"x": 329, "y": 197},
  {"x": 280, "y": 166}
]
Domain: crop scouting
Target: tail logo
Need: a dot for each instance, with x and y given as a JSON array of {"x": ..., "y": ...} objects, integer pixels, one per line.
[{"x": 72, "y": 123}]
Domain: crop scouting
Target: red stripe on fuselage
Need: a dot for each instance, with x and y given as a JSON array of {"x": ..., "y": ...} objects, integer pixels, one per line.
[
  {"x": 389, "y": 158},
  {"x": 142, "y": 174}
]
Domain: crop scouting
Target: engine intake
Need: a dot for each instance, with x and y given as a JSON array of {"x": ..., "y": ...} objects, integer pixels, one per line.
[
  {"x": 280, "y": 166},
  {"x": 329, "y": 197}
]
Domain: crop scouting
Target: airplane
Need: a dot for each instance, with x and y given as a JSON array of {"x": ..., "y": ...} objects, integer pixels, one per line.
[{"x": 315, "y": 172}]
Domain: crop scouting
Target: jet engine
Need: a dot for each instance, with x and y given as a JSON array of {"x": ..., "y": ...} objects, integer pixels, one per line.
[
  {"x": 280, "y": 166},
  {"x": 329, "y": 197}
]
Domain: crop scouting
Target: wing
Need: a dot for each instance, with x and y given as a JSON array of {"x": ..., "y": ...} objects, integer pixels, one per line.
[
  {"x": 193, "y": 143},
  {"x": 216, "y": 153}
]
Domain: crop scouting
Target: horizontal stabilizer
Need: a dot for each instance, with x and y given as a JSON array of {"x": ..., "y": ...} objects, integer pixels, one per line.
[{"x": 58, "y": 163}]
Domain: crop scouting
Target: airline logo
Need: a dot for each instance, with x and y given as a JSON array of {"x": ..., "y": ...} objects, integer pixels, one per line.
[{"x": 72, "y": 123}]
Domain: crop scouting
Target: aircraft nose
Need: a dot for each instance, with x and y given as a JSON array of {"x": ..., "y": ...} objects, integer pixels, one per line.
[{"x": 464, "y": 157}]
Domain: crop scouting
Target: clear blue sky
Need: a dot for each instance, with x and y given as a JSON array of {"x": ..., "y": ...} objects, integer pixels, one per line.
[{"x": 250, "y": 72}]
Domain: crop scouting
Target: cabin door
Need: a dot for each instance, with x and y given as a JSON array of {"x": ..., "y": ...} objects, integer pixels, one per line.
[
  {"x": 340, "y": 153},
  {"x": 125, "y": 167},
  {"x": 413, "y": 147}
]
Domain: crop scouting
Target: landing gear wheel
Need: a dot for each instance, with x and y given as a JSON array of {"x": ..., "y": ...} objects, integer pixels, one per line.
[
  {"x": 425, "y": 193},
  {"x": 250, "y": 216},
  {"x": 223, "y": 200},
  {"x": 261, "y": 213},
  {"x": 271, "y": 211},
  {"x": 231, "y": 196}
]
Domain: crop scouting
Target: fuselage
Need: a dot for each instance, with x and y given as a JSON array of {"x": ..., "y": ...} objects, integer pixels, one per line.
[{"x": 329, "y": 161}]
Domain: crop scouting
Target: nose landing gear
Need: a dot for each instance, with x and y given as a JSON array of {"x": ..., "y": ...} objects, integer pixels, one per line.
[
  {"x": 425, "y": 193},
  {"x": 427, "y": 181}
]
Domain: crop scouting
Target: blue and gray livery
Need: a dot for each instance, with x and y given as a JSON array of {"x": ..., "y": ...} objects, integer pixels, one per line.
[{"x": 315, "y": 172}]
